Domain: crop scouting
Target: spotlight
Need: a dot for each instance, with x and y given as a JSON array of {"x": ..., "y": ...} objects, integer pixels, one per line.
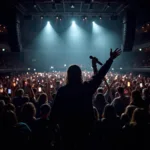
[
  {"x": 52, "y": 67},
  {"x": 93, "y": 22},
  {"x": 57, "y": 17},
  {"x": 100, "y": 17},
  {"x": 60, "y": 18},
  {"x": 72, "y": 6},
  {"x": 34, "y": 5},
  {"x": 28, "y": 68},
  {"x": 93, "y": 19},
  {"x": 65, "y": 65},
  {"x": 85, "y": 18},
  {"x": 34, "y": 69},
  {"x": 42, "y": 17},
  {"x": 140, "y": 49},
  {"x": 120, "y": 68},
  {"x": 3, "y": 49},
  {"x": 112, "y": 69},
  {"x": 73, "y": 22}
]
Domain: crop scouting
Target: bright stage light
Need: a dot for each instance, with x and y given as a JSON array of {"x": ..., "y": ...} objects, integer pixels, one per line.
[
  {"x": 93, "y": 22},
  {"x": 73, "y": 22}
]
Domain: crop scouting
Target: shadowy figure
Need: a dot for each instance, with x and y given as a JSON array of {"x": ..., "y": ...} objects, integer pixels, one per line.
[
  {"x": 137, "y": 100},
  {"x": 73, "y": 109}
]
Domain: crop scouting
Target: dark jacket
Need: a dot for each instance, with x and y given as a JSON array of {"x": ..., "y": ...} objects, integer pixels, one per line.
[{"x": 73, "y": 104}]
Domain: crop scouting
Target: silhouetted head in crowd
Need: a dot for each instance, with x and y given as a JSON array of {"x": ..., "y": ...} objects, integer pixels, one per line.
[
  {"x": 127, "y": 115},
  {"x": 120, "y": 91},
  {"x": 2, "y": 104},
  {"x": 53, "y": 96},
  {"x": 35, "y": 91},
  {"x": 45, "y": 111},
  {"x": 74, "y": 75},
  {"x": 109, "y": 112},
  {"x": 129, "y": 110},
  {"x": 28, "y": 111},
  {"x": 9, "y": 107},
  {"x": 96, "y": 114},
  {"x": 100, "y": 90},
  {"x": 20, "y": 93},
  {"x": 43, "y": 99},
  {"x": 9, "y": 119},
  {"x": 136, "y": 98},
  {"x": 139, "y": 117},
  {"x": 145, "y": 93}
]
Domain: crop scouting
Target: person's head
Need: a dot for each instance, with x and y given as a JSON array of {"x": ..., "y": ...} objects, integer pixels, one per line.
[
  {"x": 129, "y": 111},
  {"x": 43, "y": 99},
  {"x": 9, "y": 107},
  {"x": 20, "y": 92},
  {"x": 53, "y": 96},
  {"x": 120, "y": 90},
  {"x": 101, "y": 99},
  {"x": 145, "y": 92},
  {"x": 96, "y": 114},
  {"x": 100, "y": 90},
  {"x": 28, "y": 111},
  {"x": 136, "y": 98},
  {"x": 139, "y": 116},
  {"x": 109, "y": 112},
  {"x": 45, "y": 111},
  {"x": 35, "y": 91},
  {"x": 9, "y": 119},
  {"x": 2, "y": 104},
  {"x": 74, "y": 75}
]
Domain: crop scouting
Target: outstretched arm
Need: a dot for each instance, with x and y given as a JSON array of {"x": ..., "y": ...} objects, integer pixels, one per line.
[
  {"x": 94, "y": 83},
  {"x": 94, "y": 66}
]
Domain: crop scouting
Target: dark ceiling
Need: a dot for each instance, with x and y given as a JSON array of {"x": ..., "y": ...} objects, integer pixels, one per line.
[{"x": 63, "y": 7}]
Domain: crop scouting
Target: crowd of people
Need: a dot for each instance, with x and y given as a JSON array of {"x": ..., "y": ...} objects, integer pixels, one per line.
[{"x": 75, "y": 109}]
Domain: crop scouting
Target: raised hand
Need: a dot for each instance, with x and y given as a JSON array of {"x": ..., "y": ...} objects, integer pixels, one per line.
[
  {"x": 94, "y": 60},
  {"x": 115, "y": 54}
]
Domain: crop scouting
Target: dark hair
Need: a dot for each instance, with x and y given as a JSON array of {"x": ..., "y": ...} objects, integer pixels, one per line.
[
  {"x": 120, "y": 90},
  {"x": 145, "y": 92},
  {"x": 10, "y": 107},
  {"x": 2, "y": 104},
  {"x": 74, "y": 75},
  {"x": 42, "y": 99},
  {"x": 109, "y": 112},
  {"x": 100, "y": 90},
  {"x": 129, "y": 110},
  {"x": 45, "y": 109},
  {"x": 96, "y": 114},
  {"x": 136, "y": 99},
  {"x": 139, "y": 116},
  {"x": 20, "y": 92},
  {"x": 9, "y": 119},
  {"x": 28, "y": 111}
]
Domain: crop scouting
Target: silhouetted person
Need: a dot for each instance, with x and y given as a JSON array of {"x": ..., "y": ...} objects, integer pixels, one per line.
[
  {"x": 121, "y": 102},
  {"x": 137, "y": 100},
  {"x": 111, "y": 127},
  {"x": 136, "y": 134},
  {"x": 127, "y": 115},
  {"x": 43, "y": 99},
  {"x": 100, "y": 103},
  {"x": 43, "y": 133},
  {"x": 73, "y": 109},
  {"x": 28, "y": 113}
]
